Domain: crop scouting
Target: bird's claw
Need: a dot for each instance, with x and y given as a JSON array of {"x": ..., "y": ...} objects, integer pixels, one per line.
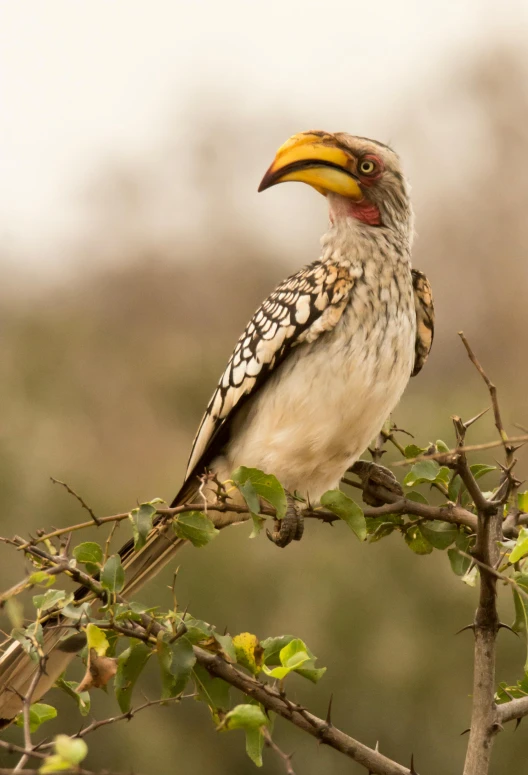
[
  {"x": 289, "y": 528},
  {"x": 375, "y": 479}
]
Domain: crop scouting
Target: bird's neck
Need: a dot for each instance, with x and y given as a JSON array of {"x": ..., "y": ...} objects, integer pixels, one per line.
[{"x": 355, "y": 237}]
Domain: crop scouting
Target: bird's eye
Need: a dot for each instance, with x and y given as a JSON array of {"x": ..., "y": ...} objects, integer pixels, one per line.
[{"x": 368, "y": 167}]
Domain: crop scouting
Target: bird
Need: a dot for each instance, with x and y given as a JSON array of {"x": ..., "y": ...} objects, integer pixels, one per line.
[{"x": 318, "y": 369}]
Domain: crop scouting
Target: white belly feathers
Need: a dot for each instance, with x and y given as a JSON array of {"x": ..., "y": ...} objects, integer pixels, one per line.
[{"x": 325, "y": 403}]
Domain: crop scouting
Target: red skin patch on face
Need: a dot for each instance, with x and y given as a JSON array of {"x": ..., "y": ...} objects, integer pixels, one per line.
[{"x": 364, "y": 211}]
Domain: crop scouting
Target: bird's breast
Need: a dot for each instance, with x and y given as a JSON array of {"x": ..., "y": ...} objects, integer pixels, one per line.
[{"x": 329, "y": 398}]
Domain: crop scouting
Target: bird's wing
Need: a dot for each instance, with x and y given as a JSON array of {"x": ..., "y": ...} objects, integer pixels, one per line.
[
  {"x": 302, "y": 308},
  {"x": 423, "y": 304}
]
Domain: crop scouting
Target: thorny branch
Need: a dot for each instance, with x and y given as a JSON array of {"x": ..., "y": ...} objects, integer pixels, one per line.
[
  {"x": 485, "y": 717},
  {"x": 486, "y": 524},
  {"x": 270, "y": 697}
]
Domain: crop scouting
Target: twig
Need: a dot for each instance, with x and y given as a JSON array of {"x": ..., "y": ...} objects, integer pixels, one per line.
[
  {"x": 456, "y": 450},
  {"x": 514, "y": 709},
  {"x": 78, "y": 497},
  {"x": 26, "y": 710},
  {"x": 492, "y": 391},
  {"x": 286, "y": 758}
]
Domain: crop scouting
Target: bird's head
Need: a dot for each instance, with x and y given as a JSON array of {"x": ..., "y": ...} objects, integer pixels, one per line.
[{"x": 361, "y": 178}]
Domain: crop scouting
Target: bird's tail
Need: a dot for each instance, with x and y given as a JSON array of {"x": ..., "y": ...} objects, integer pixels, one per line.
[{"x": 16, "y": 667}]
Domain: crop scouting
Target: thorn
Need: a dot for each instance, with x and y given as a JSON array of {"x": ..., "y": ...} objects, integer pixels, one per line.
[
  {"x": 465, "y": 731},
  {"x": 503, "y": 626},
  {"x": 329, "y": 712},
  {"x": 412, "y": 771},
  {"x": 517, "y": 723},
  {"x": 467, "y": 627},
  {"x": 474, "y": 419},
  {"x": 376, "y": 747}
]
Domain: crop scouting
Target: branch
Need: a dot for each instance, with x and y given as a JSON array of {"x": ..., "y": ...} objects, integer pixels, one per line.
[
  {"x": 323, "y": 731},
  {"x": 515, "y": 709},
  {"x": 441, "y": 456},
  {"x": 268, "y": 696},
  {"x": 484, "y": 714},
  {"x": 78, "y": 497}
]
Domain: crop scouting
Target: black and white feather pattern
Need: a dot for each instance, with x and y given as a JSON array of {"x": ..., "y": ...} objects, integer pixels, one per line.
[{"x": 302, "y": 308}]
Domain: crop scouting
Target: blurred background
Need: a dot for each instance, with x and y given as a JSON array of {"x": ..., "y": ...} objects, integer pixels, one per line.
[{"x": 134, "y": 247}]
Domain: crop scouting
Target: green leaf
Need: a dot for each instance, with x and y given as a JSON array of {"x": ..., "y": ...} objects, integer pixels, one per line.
[
  {"x": 49, "y": 599},
  {"x": 226, "y": 644},
  {"x": 423, "y": 471},
  {"x": 460, "y": 564},
  {"x": 520, "y": 602},
  {"x": 255, "y": 745},
  {"x": 130, "y": 664},
  {"x": 380, "y": 527},
  {"x": 266, "y": 486},
  {"x": 194, "y": 527},
  {"x": 41, "y": 577},
  {"x": 273, "y": 648},
  {"x": 454, "y": 488},
  {"x": 441, "y": 446},
  {"x": 258, "y": 524},
  {"x": 76, "y": 612},
  {"x": 96, "y": 639},
  {"x": 176, "y": 662},
  {"x": 507, "y": 693},
  {"x": 411, "y": 450},
  {"x": 480, "y": 469},
  {"x": 54, "y": 763},
  {"x": 292, "y": 657},
  {"x": 415, "y": 540},
  {"x": 439, "y": 534},
  {"x": 15, "y": 612},
  {"x": 113, "y": 574},
  {"x": 521, "y": 546},
  {"x": 29, "y": 638},
  {"x": 38, "y": 714},
  {"x": 417, "y": 497},
  {"x": 72, "y": 750},
  {"x": 443, "y": 475},
  {"x": 471, "y": 576},
  {"x": 141, "y": 520},
  {"x": 345, "y": 508},
  {"x": 89, "y": 552},
  {"x": 249, "y": 494},
  {"x": 522, "y": 501},
  {"x": 213, "y": 691},
  {"x": 81, "y": 698},
  {"x": 245, "y": 717},
  {"x": 69, "y": 753}
]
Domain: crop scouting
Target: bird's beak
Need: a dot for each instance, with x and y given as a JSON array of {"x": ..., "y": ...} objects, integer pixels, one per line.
[{"x": 315, "y": 159}]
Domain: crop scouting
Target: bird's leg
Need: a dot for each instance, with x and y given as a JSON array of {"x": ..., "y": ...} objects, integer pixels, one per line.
[
  {"x": 375, "y": 479},
  {"x": 290, "y": 527}
]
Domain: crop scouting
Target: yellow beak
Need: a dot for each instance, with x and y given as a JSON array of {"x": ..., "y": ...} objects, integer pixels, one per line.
[{"x": 314, "y": 159}]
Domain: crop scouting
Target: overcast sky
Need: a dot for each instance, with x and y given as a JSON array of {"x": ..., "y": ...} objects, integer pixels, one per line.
[{"x": 83, "y": 81}]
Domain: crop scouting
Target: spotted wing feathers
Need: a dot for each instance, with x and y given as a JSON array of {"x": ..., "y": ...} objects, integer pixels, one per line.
[
  {"x": 423, "y": 303},
  {"x": 303, "y": 307}
]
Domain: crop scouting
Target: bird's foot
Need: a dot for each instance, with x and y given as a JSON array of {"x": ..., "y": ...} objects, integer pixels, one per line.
[
  {"x": 379, "y": 483},
  {"x": 290, "y": 527}
]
